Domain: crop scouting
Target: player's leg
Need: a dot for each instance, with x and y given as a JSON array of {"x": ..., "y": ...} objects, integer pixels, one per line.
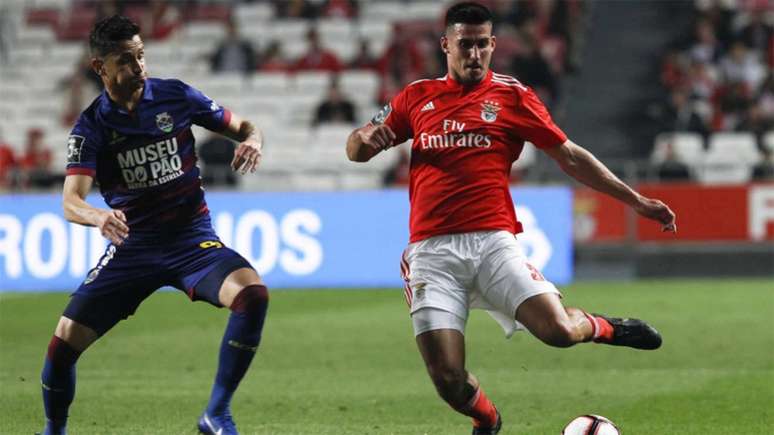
[
  {"x": 443, "y": 351},
  {"x": 99, "y": 303},
  {"x": 247, "y": 297},
  {"x": 70, "y": 339},
  {"x": 228, "y": 280},
  {"x": 548, "y": 320},
  {"x": 510, "y": 284},
  {"x": 561, "y": 326}
]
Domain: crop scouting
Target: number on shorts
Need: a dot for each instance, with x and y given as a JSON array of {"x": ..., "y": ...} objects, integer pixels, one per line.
[{"x": 536, "y": 275}]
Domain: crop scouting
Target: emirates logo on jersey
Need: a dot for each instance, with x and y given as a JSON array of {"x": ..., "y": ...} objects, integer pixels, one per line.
[{"x": 489, "y": 110}]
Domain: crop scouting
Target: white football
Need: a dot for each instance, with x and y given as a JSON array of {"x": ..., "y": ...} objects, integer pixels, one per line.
[{"x": 590, "y": 425}]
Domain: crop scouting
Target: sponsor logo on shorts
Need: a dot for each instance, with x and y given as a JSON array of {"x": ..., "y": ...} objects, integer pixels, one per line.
[
  {"x": 211, "y": 244},
  {"x": 419, "y": 291}
]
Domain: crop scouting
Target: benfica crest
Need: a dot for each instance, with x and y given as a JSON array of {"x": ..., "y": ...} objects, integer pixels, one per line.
[
  {"x": 164, "y": 122},
  {"x": 489, "y": 111}
]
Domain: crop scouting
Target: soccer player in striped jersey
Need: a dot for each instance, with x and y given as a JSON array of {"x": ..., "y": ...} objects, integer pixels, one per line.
[
  {"x": 468, "y": 128},
  {"x": 135, "y": 141}
]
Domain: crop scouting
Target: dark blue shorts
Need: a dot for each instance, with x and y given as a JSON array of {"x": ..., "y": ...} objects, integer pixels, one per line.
[{"x": 193, "y": 260}]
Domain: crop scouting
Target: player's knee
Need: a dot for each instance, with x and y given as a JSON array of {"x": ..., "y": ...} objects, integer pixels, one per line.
[
  {"x": 560, "y": 333},
  {"x": 449, "y": 382},
  {"x": 251, "y": 300},
  {"x": 61, "y": 353}
]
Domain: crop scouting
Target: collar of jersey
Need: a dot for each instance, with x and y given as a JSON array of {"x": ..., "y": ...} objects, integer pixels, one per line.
[
  {"x": 454, "y": 83},
  {"x": 108, "y": 104}
]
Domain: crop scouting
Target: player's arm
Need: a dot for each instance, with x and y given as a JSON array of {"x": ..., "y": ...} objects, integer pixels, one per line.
[
  {"x": 580, "y": 164},
  {"x": 111, "y": 223},
  {"x": 366, "y": 142},
  {"x": 247, "y": 155}
]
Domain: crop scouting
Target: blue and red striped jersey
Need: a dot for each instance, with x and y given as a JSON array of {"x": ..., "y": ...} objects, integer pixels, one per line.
[{"x": 145, "y": 160}]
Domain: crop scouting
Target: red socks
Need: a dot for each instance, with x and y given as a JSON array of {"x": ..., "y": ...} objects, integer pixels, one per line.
[
  {"x": 601, "y": 329},
  {"x": 482, "y": 410}
]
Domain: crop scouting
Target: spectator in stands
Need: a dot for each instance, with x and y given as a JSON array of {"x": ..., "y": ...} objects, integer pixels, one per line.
[
  {"x": 672, "y": 169},
  {"x": 339, "y": 9},
  {"x": 35, "y": 163},
  {"x": 233, "y": 54},
  {"x": 757, "y": 34},
  {"x": 160, "y": 19},
  {"x": 335, "y": 108},
  {"x": 705, "y": 47},
  {"x": 742, "y": 65},
  {"x": 681, "y": 114},
  {"x": 7, "y": 166},
  {"x": 363, "y": 58},
  {"x": 701, "y": 81},
  {"x": 398, "y": 173},
  {"x": 317, "y": 58},
  {"x": 80, "y": 87},
  {"x": 216, "y": 153},
  {"x": 734, "y": 101},
  {"x": 764, "y": 170},
  {"x": 295, "y": 9},
  {"x": 532, "y": 68},
  {"x": 402, "y": 61},
  {"x": 272, "y": 58},
  {"x": 765, "y": 100}
]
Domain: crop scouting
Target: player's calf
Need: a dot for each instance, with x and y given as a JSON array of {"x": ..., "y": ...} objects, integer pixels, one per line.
[
  {"x": 240, "y": 342},
  {"x": 58, "y": 384}
]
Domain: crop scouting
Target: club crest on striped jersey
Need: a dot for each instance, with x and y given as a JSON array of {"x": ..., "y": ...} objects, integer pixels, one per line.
[
  {"x": 489, "y": 110},
  {"x": 164, "y": 122}
]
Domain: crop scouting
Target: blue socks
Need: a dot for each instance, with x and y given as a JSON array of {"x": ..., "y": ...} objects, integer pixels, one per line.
[
  {"x": 240, "y": 341},
  {"x": 58, "y": 383}
]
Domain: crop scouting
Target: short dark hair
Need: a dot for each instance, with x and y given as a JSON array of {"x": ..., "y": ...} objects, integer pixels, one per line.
[
  {"x": 109, "y": 32},
  {"x": 468, "y": 13}
]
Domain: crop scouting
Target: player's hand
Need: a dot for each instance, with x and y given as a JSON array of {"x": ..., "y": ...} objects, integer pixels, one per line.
[
  {"x": 247, "y": 156},
  {"x": 112, "y": 225},
  {"x": 377, "y": 137},
  {"x": 657, "y": 211}
]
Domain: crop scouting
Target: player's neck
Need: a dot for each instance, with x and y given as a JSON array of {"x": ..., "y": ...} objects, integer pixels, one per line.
[{"x": 127, "y": 100}]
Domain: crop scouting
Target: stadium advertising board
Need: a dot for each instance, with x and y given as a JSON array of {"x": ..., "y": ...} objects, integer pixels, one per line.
[
  {"x": 731, "y": 213},
  {"x": 334, "y": 239}
]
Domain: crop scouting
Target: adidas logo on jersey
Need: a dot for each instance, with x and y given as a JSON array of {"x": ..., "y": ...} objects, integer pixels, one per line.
[{"x": 428, "y": 106}]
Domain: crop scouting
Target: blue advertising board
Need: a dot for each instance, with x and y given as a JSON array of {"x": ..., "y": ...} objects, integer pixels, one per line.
[{"x": 293, "y": 239}]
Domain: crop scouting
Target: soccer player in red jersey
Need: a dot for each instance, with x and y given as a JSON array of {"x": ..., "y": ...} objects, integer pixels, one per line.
[{"x": 468, "y": 128}]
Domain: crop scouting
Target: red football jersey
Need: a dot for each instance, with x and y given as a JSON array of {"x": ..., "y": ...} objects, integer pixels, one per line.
[{"x": 465, "y": 140}]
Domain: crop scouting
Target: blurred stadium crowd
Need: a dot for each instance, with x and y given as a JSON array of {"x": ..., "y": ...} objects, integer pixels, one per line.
[
  {"x": 718, "y": 116},
  {"x": 307, "y": 71},
  {"x": 304, "y": 70}
]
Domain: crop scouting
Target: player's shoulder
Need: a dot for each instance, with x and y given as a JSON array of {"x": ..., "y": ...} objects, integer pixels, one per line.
[
  {"x": 422, "y": 86},
  {"x": 167, "y": 87},
  {"x": 509, "y": 82}
]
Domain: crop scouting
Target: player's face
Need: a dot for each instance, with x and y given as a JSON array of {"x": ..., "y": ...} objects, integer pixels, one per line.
[
  {"x": 124, "y": 68},
  {"x": 468, "y": 49}
]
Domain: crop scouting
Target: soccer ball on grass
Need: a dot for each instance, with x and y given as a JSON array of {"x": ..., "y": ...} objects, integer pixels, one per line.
[{"x": 590, "y": 425}]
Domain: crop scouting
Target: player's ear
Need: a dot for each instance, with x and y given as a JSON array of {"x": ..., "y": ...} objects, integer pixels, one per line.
[
  {"x": 98, "y": 65},
  {"x": 493, "y": 42},
  {"x": 445, "y": 44}
]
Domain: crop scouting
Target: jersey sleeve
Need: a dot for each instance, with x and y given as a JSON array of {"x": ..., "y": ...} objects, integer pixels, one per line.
[
  {"x": 206, "y": 112},
  {"x": 534, "y": 123},
  {"x": 396, "y": 116},
  {"x": 82, "y": 147}
]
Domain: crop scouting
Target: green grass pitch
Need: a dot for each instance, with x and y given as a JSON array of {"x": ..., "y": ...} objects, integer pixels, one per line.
[{"x": 345, "y": 362}]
